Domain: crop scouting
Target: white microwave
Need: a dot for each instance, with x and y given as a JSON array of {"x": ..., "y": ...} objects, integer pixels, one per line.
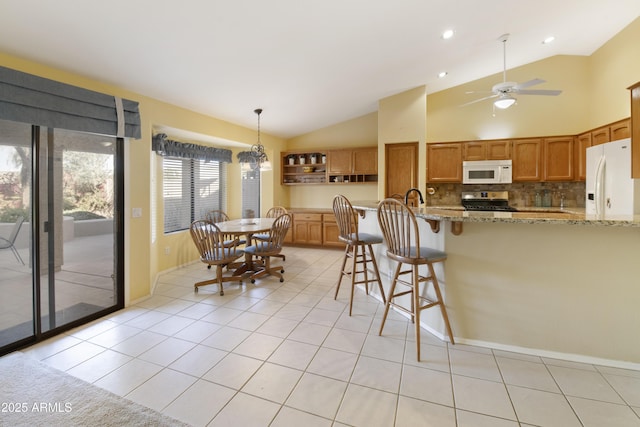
[{"x": 487, "y": 172}]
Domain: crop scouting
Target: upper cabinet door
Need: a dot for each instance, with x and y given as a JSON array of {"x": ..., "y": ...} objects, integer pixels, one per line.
[
  {"x": 365, "y": 161},
  {"x": 486, "y": 150},
  {"x": 558, "y": 159},
  {"x": 620, "y": 130},
  {"x": 444, "y": 162},
  {"x": 498, "y": 150},
  {"x": 600, "y": 135},
  {"x": 474, "y": 150},
  {"x": 527, "y": 159},
  {"x": 582, "y": 143},
  {"x": 339, "y": 162}
]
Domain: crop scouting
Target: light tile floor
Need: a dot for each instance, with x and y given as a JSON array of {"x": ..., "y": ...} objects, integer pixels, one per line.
[{"x": 287, "y": 354}]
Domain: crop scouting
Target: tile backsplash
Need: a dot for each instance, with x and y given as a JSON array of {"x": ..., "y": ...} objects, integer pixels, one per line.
[{"x": 520, "y": 194}]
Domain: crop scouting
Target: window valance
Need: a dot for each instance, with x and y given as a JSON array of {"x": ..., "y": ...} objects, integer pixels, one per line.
[
  {"x": 35, "y": 100},
  {"x": 246, "y": 157},
  {"x": 169, "y": 148}
]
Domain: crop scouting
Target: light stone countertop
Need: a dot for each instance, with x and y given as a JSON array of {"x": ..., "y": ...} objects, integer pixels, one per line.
[{"x": 531, "y": 215}]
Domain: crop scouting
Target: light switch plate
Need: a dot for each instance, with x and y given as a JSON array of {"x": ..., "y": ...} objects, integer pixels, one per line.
[{"x": 136, "y": 212}]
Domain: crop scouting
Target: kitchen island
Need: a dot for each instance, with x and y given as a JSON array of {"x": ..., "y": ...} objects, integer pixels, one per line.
[{"x": 558, "y": 284}]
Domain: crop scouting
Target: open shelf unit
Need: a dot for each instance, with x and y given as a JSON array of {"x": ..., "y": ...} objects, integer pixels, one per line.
[{"x": 333, "y": 167}]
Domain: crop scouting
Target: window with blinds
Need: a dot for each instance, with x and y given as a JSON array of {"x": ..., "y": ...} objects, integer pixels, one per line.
[
  {"x": 251, "y": 193},
  {"x": 191, "y": 188}
]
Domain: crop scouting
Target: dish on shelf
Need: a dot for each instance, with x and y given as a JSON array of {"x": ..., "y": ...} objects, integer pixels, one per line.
[{"x": 308, "y": 169}]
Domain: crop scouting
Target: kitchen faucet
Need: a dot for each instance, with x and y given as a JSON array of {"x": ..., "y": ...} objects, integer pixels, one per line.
[{"x": 406, "y": 196}]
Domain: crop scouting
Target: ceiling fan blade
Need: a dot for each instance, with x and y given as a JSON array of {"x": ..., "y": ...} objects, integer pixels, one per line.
[
  {"x": 478, "y": 100},
  {"x": 470, "y": 92},
  {"x": 540, "y": 92},
  {"x": 529, "y": 83}
]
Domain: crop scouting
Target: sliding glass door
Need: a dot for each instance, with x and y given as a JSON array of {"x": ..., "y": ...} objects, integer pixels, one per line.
[
  {"x": 16, "y": 285},
  {"x": 69, "y": 243}
]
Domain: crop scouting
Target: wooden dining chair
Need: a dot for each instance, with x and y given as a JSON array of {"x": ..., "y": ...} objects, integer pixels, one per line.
[
  {"x": 210, "y": 243},
  {"x": 269, "y": 248},
  {"x": 274, "y": 212},
  {"x": 215, "y": 216},
  {"x": 358, "y": 248},
  {"x": 400, "y": 230}
]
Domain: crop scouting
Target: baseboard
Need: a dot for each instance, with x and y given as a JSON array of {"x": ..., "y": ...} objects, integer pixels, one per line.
[{"x": 572, "y": 357}]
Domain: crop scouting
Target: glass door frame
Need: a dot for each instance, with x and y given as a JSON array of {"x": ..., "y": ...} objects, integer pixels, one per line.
[{"x": 35, "y": 246}]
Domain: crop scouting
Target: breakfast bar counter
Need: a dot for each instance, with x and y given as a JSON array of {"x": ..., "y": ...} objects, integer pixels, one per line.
[
  {"x": 557, "y": 284},
  {"x": 529, "y": 215}
]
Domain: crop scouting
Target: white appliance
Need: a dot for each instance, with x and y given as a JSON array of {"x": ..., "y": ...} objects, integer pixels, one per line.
[
  {"x": 610, "y": 189},
  {"x": 487, "y": 172}
]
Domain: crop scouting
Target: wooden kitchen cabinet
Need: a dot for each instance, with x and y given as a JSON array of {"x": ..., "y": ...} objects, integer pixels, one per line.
[
  {"x": 486, "y": 150},
  {"x": 635, "y": 130},
  {"x": 358, "y": 161},
  {"x": 307, "y": 228},
  {"x": 365, "y": 161},
  {"x": 444, "y": 162},
  {"x": 581, "y": 144},
  {"x": 558, "y": 155},
  {"x": 474, "y": 150},
  {"x": 612, "y": 132},
  {"x": 330, "y": 231},
  {"x": 620, "y": 130},
  {"x": 340, "y": 162},
  {"x": 600, "y": 135},
  {"x": 353, "y": 165},
  {"x": 527, "y": 159}
]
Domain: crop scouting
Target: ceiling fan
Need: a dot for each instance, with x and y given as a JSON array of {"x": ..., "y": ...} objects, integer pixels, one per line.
[{"x": 505, "y": 91}]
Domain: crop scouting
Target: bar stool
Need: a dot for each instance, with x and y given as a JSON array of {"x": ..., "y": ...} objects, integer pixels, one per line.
[
  {"x": 358, "y": 248},
  {"x": 400, "y": 230}
]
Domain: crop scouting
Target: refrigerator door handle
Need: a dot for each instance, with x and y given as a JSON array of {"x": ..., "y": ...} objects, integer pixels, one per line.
[{"x": 599, "y": 185}]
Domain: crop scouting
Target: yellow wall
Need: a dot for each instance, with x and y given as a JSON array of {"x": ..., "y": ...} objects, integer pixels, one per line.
[
  {"x": 358, "y": 132},
  {"x": 145, "y": 241},
  {"x": 613, "y": 68},
  {"x": 449, "y": 120},
  {"x": 402, "y": 118},
  {"x": 594, "y": 93}
]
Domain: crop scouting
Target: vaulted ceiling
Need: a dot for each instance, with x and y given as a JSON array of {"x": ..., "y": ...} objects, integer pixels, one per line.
[{"x": 307, "y": 64}]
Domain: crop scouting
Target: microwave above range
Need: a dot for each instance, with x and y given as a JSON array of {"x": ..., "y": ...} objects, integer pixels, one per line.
[{"x": 487, "y": 172}]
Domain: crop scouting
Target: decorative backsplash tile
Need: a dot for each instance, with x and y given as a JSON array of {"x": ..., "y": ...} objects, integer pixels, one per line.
[{"x": 520, "y": 194}]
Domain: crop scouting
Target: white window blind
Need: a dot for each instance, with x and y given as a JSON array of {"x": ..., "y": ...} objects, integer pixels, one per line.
[
  {"x": 251, "y": 193},
  {"x": 191, "y": 188}
]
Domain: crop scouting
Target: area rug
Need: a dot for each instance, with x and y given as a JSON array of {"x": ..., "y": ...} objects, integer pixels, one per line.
[{"x": 35, "y": 394}]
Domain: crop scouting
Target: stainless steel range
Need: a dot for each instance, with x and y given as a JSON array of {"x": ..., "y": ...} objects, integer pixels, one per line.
[{"x": 486, "y": 201}]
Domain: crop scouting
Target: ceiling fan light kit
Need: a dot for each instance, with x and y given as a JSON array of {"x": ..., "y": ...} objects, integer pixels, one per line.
[
  {"x": 504, "y": 101},
  {"x": 504, "y": 91}
]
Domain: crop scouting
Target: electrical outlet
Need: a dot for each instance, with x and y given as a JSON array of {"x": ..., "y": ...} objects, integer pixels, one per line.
[{"x": 167, "y": 250}]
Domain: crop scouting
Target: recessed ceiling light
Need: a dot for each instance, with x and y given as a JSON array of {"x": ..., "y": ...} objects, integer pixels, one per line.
[
  {"x": 447, "y": 34},
  {"x": 548, "y": 40},
  {"x": 442, "y": 74}
]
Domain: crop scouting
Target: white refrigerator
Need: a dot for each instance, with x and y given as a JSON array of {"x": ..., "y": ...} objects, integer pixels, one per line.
[{"x": 611, "y": 192}]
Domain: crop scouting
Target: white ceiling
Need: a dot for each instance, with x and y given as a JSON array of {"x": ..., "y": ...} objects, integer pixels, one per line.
[{"x": 308, "y": 64}]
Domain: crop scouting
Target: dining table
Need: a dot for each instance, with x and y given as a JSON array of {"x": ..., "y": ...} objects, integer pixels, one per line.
[{"x": 245, "y": 227}]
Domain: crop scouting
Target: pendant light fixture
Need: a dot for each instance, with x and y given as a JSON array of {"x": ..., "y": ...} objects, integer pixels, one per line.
[{"x": 259, "y": 158}]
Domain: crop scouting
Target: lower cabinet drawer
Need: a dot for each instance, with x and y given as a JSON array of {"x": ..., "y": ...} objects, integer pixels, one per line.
[{"x": 307, "y": 217}]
